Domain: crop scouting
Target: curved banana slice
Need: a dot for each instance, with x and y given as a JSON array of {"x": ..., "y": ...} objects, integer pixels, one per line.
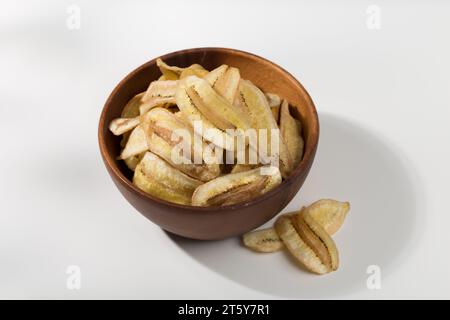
[
  {"x": 330, "y": 214},
  {"x": 314, "y": 249},
  {"x": 227, "y": 85},
  {"x": 319, "y": 239},
  {"x": 169, "y": 72},
  {"x": 158, "y": 93},
  {"x": 121, "y": 125},
  {"x": 263, "y": 240},
  {"x": 242, "y": 168},
  {"x": 162, "y": 148},
  {"x": 255, "y": 102},
  {"x": 223, "y": 114},
  {"x": 274, "y": 101},
  {"x": 194, "y": 70},
  {"x": 206, "y": 129},
  {"x": 137, "y": 143},
  {"x": 214, "y": 75},
  {"x": 291, "y": 132},
  {"x": 131, "y": 109},
  {"x": 133, "y": 161},
  {"x": 154, "y": 176},
  {"x": 236, "y": 187}
]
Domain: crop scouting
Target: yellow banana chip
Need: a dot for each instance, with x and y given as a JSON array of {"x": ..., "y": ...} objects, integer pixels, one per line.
[
  {"x": 236, "y": 187},
  {"x": 330, "y": 214},
  {"x": 254, "y": 100},
  {"x": 290, "y": 129},
  {"x": 263, "y": 240},
  {"x": 137, "y": 143},
  {"x": 154, "y": 176}
]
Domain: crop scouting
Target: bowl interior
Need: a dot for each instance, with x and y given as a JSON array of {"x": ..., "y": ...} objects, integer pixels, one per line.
[{"x": 263, "y": 73}]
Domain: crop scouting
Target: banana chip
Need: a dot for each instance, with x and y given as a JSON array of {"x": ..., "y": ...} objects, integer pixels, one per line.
[
  {"x": 274, "y": 104},
  {"x": 330, "y": 214},
  {"x": 264, "y": 240},
  {"x": 207, "y": 130},
  {"x": 227, "y": 84},
  {"x": 242, "y": 168},
  {"x": 194, "y": 70},
  {"x": 159, "y": 93},
  {"x": 133, "y": 161},
  {"x": 308, "y": 243},
  {"x": 291, "y": 129},
  {"x": 154, "y": 176},
  {"x": 137, "y": 143},
  {"x": 252, "y": 98},
  {"x": 131, "y": 109},
  {"x": 121, "y": 125},
  {"x": 236, "y": 187},
  {"x": 212, "y": 105}
]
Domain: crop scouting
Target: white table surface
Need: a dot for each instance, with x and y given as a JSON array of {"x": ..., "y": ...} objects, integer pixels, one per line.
[{"x": 383, "y": 97}]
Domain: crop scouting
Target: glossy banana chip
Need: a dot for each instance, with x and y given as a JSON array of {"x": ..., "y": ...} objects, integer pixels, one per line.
[
  {"x": 236, "y": 187},
  {"x": 121, "y": 125},
  {"x": 274, "y": 101},
  {"x": 291, "y": 131},
  {"x": 131, "y": 109},
  {"x": 159, "y": 93},
  {"x": 255, "y": 102},
  {"x": 137, "y": 143},
  {"x": 154, "y": 176},
  {"x": 330, "y": 214},
  {"x": 308, "y": 242},
  {"x": 263, "y": 240}
]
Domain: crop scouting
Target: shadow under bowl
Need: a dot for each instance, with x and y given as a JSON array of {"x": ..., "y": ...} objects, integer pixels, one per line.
[{"x": 211, "y": 223}]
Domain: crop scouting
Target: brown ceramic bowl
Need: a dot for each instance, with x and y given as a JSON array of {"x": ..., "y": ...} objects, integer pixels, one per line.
[{"x": 208, "y": 223}]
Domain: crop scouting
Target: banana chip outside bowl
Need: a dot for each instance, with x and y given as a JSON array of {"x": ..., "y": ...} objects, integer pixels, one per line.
[{"x": 211, "y": 223}]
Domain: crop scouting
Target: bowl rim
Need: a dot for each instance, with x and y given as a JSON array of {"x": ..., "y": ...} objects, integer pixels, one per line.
[{"x": 301, "y": 167}]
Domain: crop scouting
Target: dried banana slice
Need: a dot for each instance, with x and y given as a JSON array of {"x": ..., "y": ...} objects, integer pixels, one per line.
[
  {"x": 159, "y": 93},
  {"x": 242, "y": 168},
  {"x": 131, "y": 109},
  {"x": 255, "y": 102},
  {"x": 169, "y": 72},
  {"x": 308, "y": 242},
  {"x": 236, "y": 187},
  {"x": 223, "y": 114},
  {"x": 264, "y": 240},
  {"x": 330, "y": 214},
  {"x": 133, "y": 161},
  {"x": 171, "y": 131},
  {"x": 201, "y": 125},
  {"x": 137, "y": 143},
  {"x": 227, "y": 85},
  {"x": 291, "y": 132},
  {"x": 214, "y": 75},
  {"x": 194, "y": 70},
  {"x": 274, "y": 101},
  {"x": 162, "y": 148},
  {"x": 121, "y": 125},
  {"x": 175, "y": 73},
  {"x": 154, "y": 176}
]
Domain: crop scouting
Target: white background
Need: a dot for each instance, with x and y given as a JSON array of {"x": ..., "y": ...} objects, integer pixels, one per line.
[{"x": 382, "y": 95}]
